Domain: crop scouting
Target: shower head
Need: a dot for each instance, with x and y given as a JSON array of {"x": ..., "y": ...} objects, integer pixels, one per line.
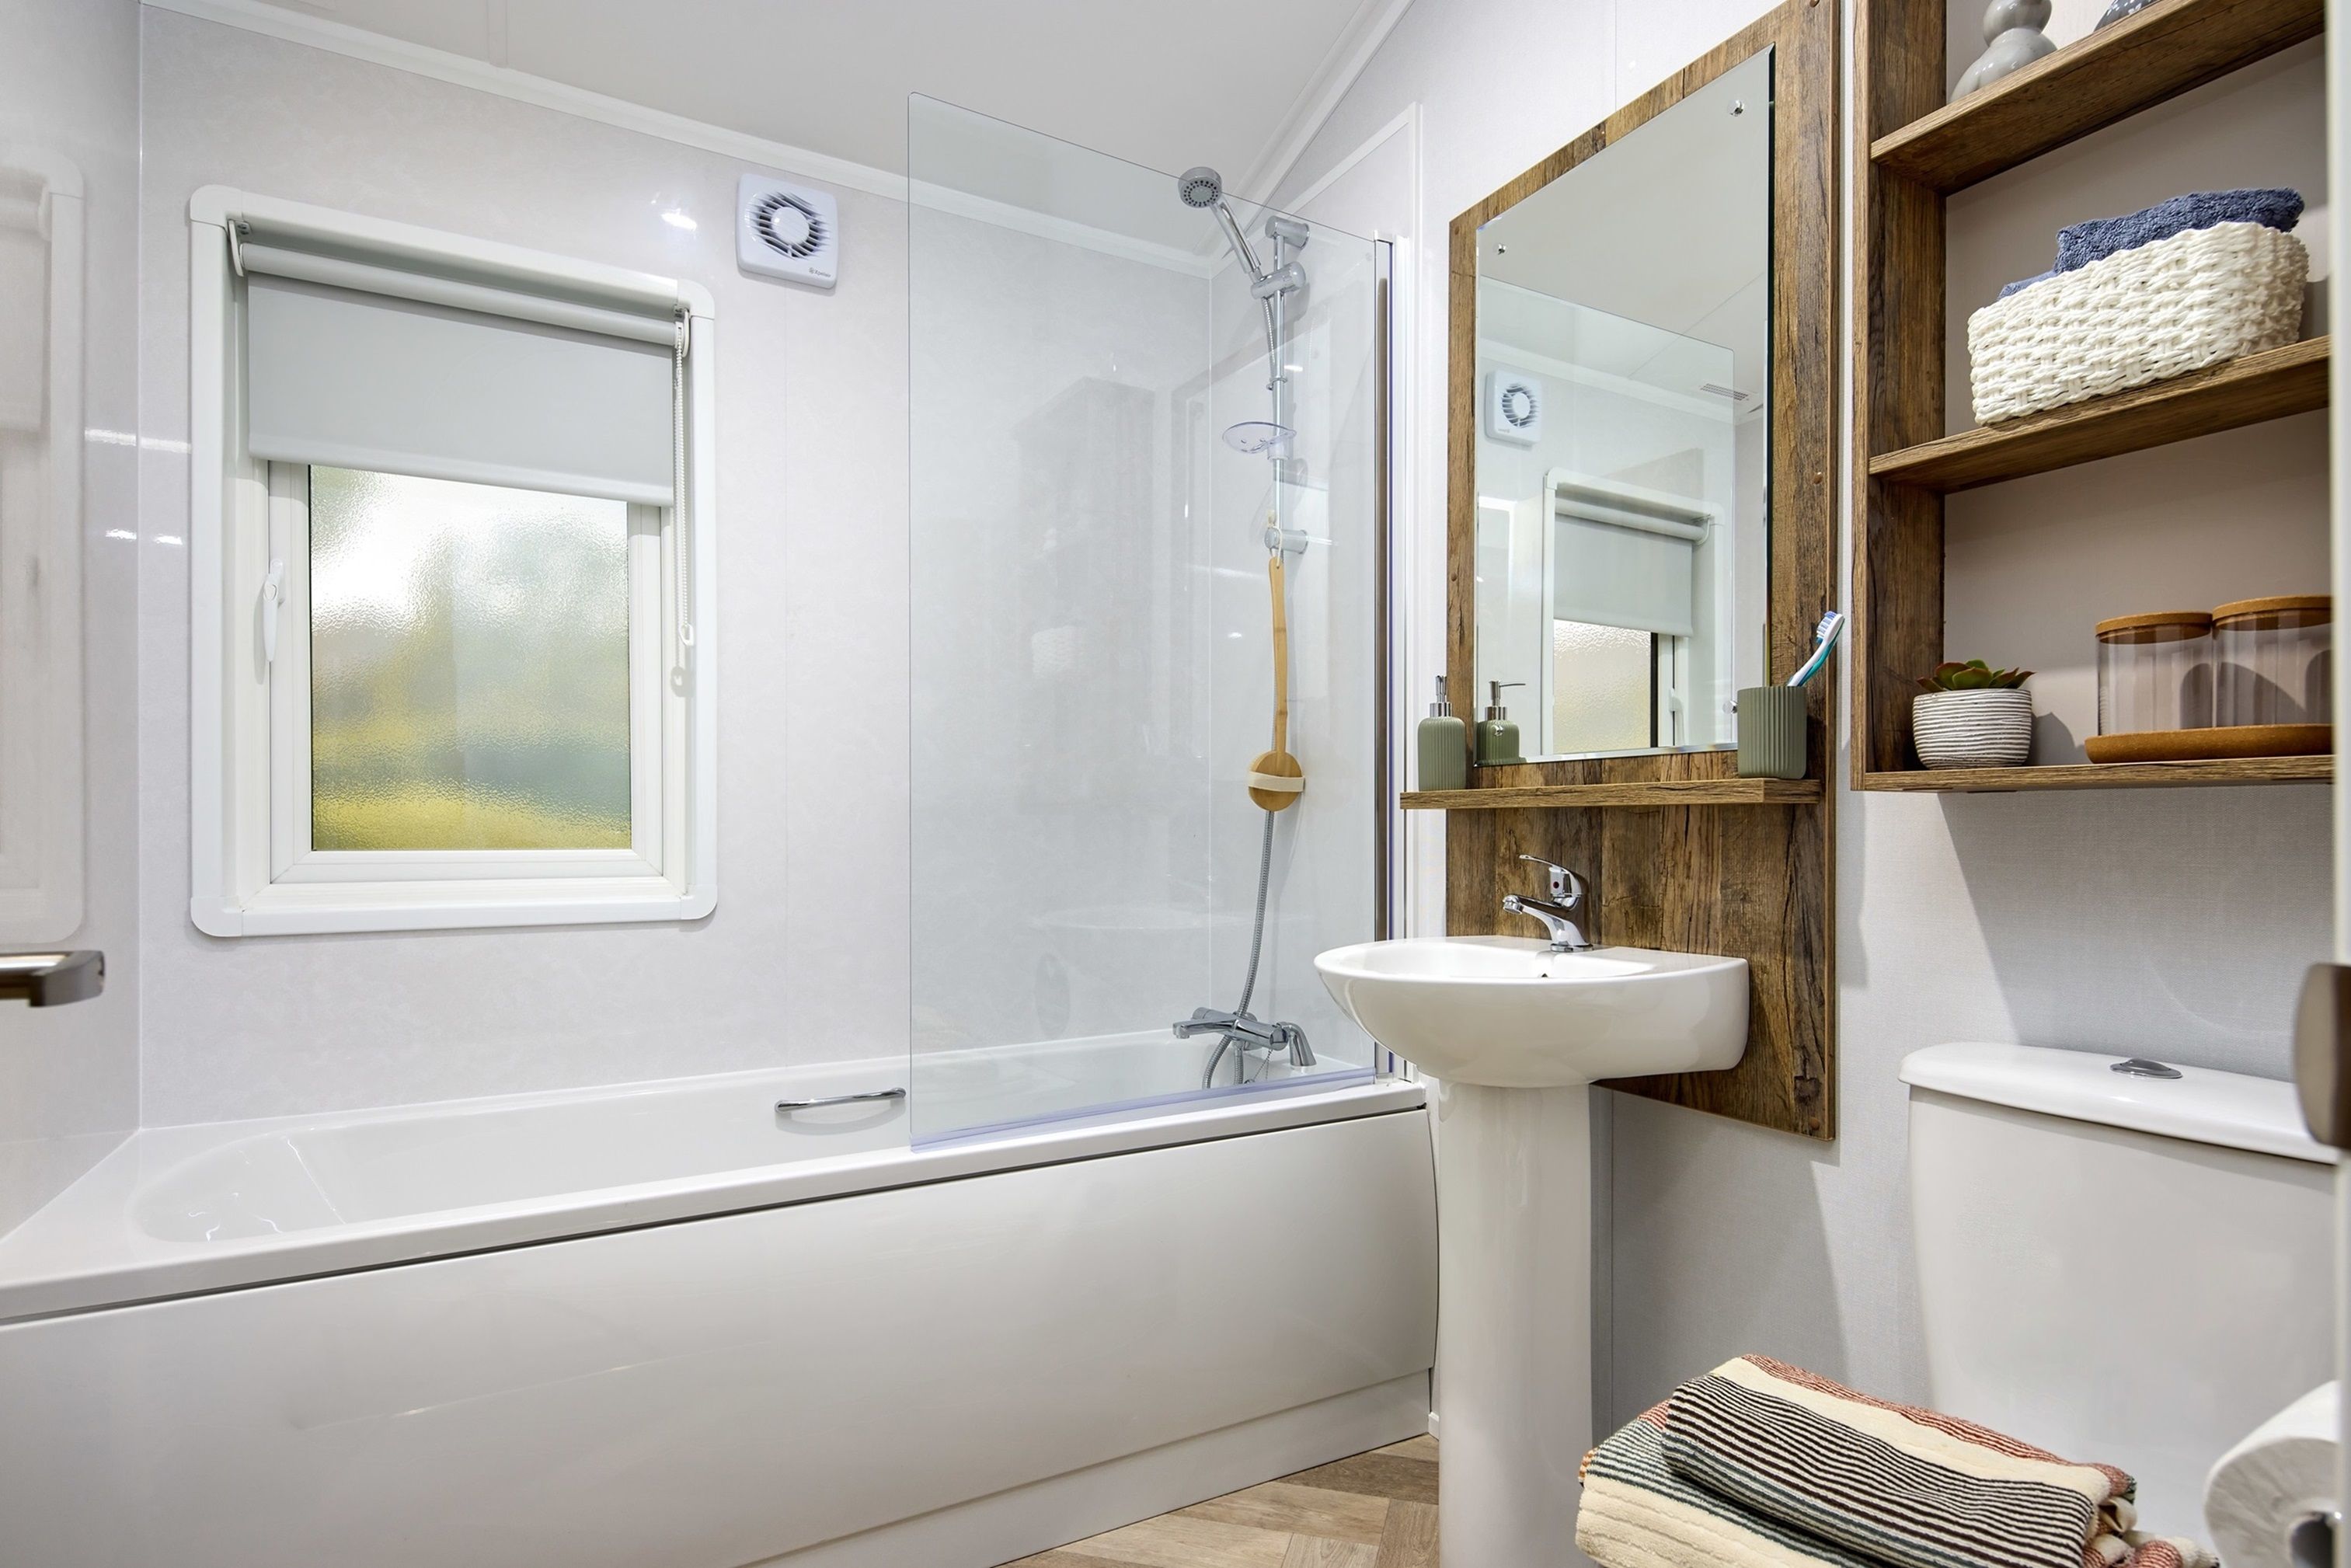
[{"x": 1204, "y": 188}]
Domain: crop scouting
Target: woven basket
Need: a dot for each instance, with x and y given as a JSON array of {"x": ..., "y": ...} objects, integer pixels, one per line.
[
  {"x": 2138, "y": 315},
  {"x": 1989, "y": 728}
]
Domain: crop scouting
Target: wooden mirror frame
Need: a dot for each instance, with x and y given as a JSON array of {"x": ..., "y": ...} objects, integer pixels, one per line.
[{"x": 1681, "y": 853}]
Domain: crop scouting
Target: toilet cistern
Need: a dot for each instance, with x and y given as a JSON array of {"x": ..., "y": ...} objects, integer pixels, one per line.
[{"x": 1556, "y": 913}]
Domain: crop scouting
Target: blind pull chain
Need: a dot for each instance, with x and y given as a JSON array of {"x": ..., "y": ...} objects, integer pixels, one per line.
[{"x": 678, "y": 510}]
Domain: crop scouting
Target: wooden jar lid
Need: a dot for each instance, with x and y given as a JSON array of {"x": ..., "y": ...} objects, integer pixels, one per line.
[
  {"x": 2196, "y": 621},
  {"x": 2285, "y": 603}
]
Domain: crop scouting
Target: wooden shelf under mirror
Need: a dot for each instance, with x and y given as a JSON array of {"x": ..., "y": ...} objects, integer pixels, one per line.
[
  {"x": 2115, "y": 72},
  {"x": 1915, "y": 149},
  {"x": 1678, "y": 852},
  {"x": 1631, "y": 793}
]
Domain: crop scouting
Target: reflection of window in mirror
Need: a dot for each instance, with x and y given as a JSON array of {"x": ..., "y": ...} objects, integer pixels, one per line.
[{"x": 1604, "y": 687}]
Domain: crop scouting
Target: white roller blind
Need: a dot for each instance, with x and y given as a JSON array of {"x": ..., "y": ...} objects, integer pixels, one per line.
[
  {"x": 358, "y": 377},
  {"x": 1620, "y": 559}
]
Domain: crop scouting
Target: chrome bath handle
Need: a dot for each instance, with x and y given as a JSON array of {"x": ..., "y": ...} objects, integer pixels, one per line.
[
  {"x": 840, "y": 1100},
  {"x": 46, "y": 980}
]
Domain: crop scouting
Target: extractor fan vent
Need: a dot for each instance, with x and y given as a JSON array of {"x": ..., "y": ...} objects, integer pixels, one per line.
[
  {"x": 1719, "y": 389},
  {"x": 1514, "y": 407},
  {"x": 787, "y": 231}
]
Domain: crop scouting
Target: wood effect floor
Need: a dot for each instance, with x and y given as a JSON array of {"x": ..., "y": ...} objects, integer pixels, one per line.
[{"x": 1374, "y": 1510}]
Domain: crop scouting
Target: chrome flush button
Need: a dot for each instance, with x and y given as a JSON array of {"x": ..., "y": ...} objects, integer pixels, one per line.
[{"x": 2140, "y": 1067}]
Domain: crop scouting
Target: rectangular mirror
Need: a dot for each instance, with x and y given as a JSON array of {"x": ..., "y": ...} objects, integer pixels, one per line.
[{"x": 1623, "y": 442}]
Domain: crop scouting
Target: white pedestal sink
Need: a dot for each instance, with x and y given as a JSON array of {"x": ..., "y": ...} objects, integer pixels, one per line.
[{"x": 1516, "y": 1033}]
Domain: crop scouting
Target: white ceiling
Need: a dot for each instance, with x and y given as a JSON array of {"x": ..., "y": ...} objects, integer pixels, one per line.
[{"x": 1168, "y": 83}]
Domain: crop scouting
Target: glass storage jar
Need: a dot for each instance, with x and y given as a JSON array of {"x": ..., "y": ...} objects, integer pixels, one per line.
[
  {"x": 2154, "y": 672},
  {"x": 2274, "y": 659}
]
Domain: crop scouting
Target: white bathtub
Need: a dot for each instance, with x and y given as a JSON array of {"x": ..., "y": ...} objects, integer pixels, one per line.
[{"x": 666, "y": 1327}]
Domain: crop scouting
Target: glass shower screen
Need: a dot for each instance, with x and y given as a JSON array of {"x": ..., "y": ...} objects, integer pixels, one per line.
[{"x": 1100, "y": 475}]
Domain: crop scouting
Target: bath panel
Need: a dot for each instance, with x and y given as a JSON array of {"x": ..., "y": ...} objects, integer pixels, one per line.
[{"x": 756, "y": 1385}]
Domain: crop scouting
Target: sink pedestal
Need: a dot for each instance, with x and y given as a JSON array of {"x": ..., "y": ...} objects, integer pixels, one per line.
[
  {"x": 1513, "y": 1033},
  {"x": 1514, "y": 1323}
]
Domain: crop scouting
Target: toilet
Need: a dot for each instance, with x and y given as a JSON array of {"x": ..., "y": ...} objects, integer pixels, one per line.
[{"x": 2129, "y": 1264}]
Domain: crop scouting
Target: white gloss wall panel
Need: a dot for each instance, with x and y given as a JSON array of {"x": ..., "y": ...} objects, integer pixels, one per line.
[
  {"x": 717, "y": 1392},
  {"x": 69, "y": 1075},
  {"x": 1370, "y": 192},
  {"x": 805, "y": 959},
  {"x": 1062, "y": 785}
]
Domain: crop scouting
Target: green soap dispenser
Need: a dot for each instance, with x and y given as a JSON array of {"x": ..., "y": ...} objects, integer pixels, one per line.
[
  {"x": 1497, "y": 737},
  {"x": 1444, "y": 746}
]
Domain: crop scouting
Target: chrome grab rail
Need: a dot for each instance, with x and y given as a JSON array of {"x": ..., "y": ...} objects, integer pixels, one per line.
[
  {"x": 840, "y": 1100},
  {"x": 47, "y": 979}
]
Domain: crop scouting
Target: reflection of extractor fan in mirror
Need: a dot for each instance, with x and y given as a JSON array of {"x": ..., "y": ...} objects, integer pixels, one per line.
[
  {"x": 1514, "y": 404},
  {"x": 787, "y": 231}
]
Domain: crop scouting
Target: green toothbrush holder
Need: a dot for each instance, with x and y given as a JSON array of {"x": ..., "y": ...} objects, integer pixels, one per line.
[{"x": 1772, "y": 732}]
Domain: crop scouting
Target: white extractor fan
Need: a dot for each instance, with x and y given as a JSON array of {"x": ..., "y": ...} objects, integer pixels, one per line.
[
  {"x": 1514, "y": 407},
  {"x": 787, "y": 231}
]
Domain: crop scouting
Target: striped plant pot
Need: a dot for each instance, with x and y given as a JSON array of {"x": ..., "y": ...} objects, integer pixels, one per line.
[{"x": 1991, "y": 728}]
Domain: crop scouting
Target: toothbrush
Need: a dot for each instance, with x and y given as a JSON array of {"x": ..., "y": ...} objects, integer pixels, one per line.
[{"x": 1825, "y": 634}]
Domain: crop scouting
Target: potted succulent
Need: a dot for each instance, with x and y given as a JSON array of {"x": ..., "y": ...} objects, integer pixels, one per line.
[{"x": 1972, "y": 716}]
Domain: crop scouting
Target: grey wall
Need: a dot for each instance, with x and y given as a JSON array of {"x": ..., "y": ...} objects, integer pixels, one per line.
[
  {"x": 69, "y": 1075},
  {"x": 2167, "y": 923}
]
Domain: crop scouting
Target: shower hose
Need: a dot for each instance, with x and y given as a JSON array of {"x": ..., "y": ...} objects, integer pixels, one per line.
[{"x": 1256, "y": 943}]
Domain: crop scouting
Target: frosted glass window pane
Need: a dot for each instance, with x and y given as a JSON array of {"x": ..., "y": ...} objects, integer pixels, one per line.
[
  {"x": 469, "y": 666},
  {"x": 1599, "y": 687}
]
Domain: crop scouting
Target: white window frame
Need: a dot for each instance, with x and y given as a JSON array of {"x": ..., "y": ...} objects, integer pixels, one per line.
[{"x": 253, "y": 872}]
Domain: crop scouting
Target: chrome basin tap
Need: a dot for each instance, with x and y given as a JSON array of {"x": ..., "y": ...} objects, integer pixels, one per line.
[{"x": 1557, "y": 912}]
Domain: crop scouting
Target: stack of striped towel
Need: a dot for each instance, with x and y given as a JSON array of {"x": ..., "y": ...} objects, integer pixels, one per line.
[{"x": 1762, "y": 1465}]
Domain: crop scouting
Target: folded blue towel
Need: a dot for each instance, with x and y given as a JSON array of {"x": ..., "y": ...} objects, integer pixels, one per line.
[
  {"x": 2008, "y": 288},
  {"x": 2082, "y": 244},
  {"x": 2120, "y": 9}
]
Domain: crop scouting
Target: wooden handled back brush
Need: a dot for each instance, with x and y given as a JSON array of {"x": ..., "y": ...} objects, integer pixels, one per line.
[{"x": 1277, "y": 778}]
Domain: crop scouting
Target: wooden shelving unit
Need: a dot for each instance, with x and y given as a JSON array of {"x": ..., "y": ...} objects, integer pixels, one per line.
[
  {"x": 1918, "y": 151},
  {"x": 1633, "y": 792},
  {"x": 2113, "y": 74}
]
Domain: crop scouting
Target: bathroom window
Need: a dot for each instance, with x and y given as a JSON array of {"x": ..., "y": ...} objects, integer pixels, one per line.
[
  {"x": 452, "y": 589},
  {"x": 476, "y": 656}
]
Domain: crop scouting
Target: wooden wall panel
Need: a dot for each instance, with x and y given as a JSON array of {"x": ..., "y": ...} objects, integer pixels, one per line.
[
  {"x": 1898, "y": 389},
  {"x": 1741, "y": 880},
  {"x": 1755, "y": 881}
]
